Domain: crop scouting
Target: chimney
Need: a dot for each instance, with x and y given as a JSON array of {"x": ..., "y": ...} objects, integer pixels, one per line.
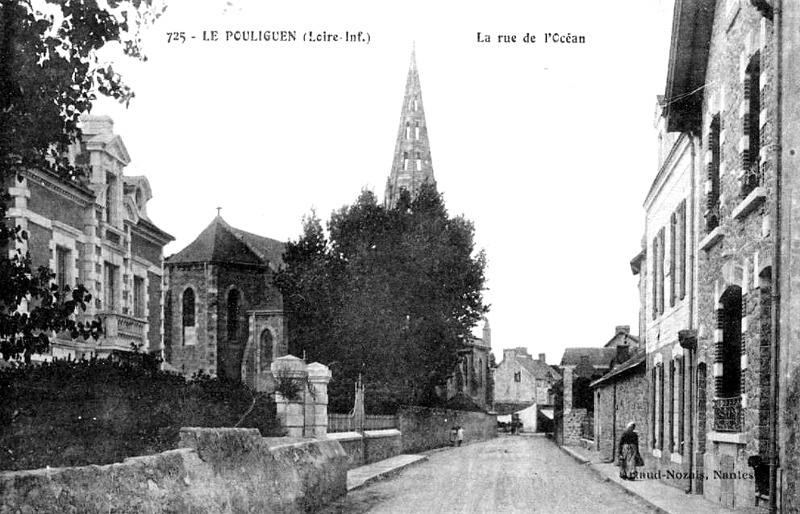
[
  {"x": 541, "y": 357},
  {"x": 92, "y": 125},
  {"x": 522, "y": 351},
  {"x": 622, "y": 353},
  {"x": 509, "y": 354},
  {"x": 625, "y": 329}
]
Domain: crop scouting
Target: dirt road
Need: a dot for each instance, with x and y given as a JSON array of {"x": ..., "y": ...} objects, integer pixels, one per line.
[{"x": 507, "y": 474}]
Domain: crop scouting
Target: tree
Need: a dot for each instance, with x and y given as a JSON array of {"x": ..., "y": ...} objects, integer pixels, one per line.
[
  {"x": 393, "y": 295},
  {"x": 49, "y": 74}
]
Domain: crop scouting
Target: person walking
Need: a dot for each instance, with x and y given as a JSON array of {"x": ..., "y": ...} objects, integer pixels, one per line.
[
  {"x": 629, "y": 457},
  {"x": 459, "y": 435}
]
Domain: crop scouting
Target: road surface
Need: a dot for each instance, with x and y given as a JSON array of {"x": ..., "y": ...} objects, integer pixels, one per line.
[{"x": 505, "y": 475}]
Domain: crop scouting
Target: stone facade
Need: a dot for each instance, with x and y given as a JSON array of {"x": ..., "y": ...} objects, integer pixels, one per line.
[
  {"x": 713, "y": 392},
  {"x": 223, "y": 313},
  {"x": 520, "y": 380},
  {"x": 473, "y": 373},
  {"x": 668, "y": 294},
  {"x": 96, "y": 232},
  {"x": 619, "y": 398}
]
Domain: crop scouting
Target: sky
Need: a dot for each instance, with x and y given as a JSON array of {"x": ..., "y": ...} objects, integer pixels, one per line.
[{"x": 549, "y": 148}]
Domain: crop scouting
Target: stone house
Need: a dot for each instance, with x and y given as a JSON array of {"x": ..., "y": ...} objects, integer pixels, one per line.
[
  {"x": 524, "y": 385},
  {"x": 223, "y": 314},
  {"x": 726, "y": 403},
  {"x": 521, "y": 381},
  {"x": 96, "y": 232},
  {"x": 573, "y": 400},
  {"x": 620, "y": 396},
  {"x": 667, "y": 286}
]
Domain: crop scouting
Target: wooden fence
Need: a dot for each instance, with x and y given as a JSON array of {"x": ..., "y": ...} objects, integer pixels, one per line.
[{"x": 345, "y": 422}]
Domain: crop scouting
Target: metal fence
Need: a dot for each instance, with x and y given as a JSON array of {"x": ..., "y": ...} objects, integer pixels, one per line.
[{"x": 345, "y": 422}]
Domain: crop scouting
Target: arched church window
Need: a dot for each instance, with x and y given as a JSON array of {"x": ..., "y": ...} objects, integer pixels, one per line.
[
  {"x": 188, "y": 318},
  {"x": 408, "y": 130},
  {"x": 233, "y": 315},
  {"x": 405, "y": 161},
  {"x": 419, "y": 161},
  {"x": 416, "y": 131},
  {"x": 266, "y": 350},
  {"x": 188, "y": 308}
]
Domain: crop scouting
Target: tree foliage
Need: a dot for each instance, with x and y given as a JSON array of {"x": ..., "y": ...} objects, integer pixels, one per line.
[
  {"x": 49, "y": 74},
  {"x": 392, "y": 295}
]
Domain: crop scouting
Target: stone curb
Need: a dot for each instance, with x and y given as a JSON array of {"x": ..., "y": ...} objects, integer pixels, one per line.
[
  {"x": 387, "y": 473},
  {"x": 584, "y": 461}
]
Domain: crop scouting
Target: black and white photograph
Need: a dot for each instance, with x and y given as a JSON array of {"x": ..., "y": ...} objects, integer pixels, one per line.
[{"x": 414, "y": 257}]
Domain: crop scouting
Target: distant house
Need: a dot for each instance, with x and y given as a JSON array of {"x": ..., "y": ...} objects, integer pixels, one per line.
[
  {"x": 525, "y": 386},
  {"x": 223, "y": 313},
  {"x": 521, "y": 381},
  {"x": 580, "y": 367}
]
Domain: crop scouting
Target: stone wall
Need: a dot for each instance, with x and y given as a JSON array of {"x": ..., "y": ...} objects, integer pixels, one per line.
[
  {"x": 744, "y": 253},
  {"x": 382, "y": 444},
  {"x": 371, "y": 446},
  {"x": 572, "y": 421},
  {"x": 353, "y": 444},
  {"x": 425, "y": 429},
  {"x": 220, "y": 471}
]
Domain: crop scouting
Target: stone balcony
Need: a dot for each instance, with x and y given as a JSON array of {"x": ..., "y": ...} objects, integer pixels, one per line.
[{"x": 120, "y": 331}]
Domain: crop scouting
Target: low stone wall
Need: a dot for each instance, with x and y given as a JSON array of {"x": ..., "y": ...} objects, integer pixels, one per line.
[
  {"x": 353, "y": 444},
  {"x": 425, "y": 429},
  {"x": 382, "y": 444},
  {"x": 372, "y": 446},
  {"x": 221, "y": 470}
]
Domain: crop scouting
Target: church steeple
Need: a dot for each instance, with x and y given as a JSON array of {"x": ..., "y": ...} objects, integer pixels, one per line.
[{"x": 412, "y": 165}]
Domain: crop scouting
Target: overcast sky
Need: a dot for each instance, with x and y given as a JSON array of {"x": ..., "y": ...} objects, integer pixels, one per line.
[{"x": 548, "y": 147}]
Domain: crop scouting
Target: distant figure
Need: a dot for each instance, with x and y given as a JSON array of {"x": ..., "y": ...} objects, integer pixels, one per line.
[
  {"x": 453, "y": 435},
  {"x": 629, "y": 457},
  {"x": 459, "y": 435}
]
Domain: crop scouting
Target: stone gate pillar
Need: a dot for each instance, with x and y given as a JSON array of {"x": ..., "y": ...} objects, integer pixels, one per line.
[
  {"x": 316, "y": 407},
  {"x": 291, "y": 411}
]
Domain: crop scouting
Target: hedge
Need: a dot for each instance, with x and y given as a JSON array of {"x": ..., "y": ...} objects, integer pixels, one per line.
[{"x": 98, "y": 411}]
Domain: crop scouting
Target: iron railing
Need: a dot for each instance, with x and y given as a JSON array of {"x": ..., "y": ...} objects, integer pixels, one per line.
[{"x": 728, "y": 414}]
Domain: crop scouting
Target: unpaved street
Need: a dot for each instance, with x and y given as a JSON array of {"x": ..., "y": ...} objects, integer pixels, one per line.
[{"x": 507, "y": 474}]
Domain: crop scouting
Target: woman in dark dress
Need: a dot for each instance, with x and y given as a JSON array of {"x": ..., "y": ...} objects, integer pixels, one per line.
[{"x": 629, "y": 457}]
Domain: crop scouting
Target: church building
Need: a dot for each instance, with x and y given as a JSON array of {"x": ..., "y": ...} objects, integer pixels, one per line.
[{"x": 223, "y": 314}]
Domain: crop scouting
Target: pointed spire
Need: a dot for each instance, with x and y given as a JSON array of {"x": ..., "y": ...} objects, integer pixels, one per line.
[{"x": 412, "y": 165}]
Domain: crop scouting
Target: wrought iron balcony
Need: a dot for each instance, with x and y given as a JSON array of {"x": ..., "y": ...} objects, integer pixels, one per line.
[{"x": 728, "y": 414}]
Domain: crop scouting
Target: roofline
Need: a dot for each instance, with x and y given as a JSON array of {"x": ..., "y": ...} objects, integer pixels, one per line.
[
  {"x": 688, "y": 58},
  {"x": 642, "y": 359}
]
